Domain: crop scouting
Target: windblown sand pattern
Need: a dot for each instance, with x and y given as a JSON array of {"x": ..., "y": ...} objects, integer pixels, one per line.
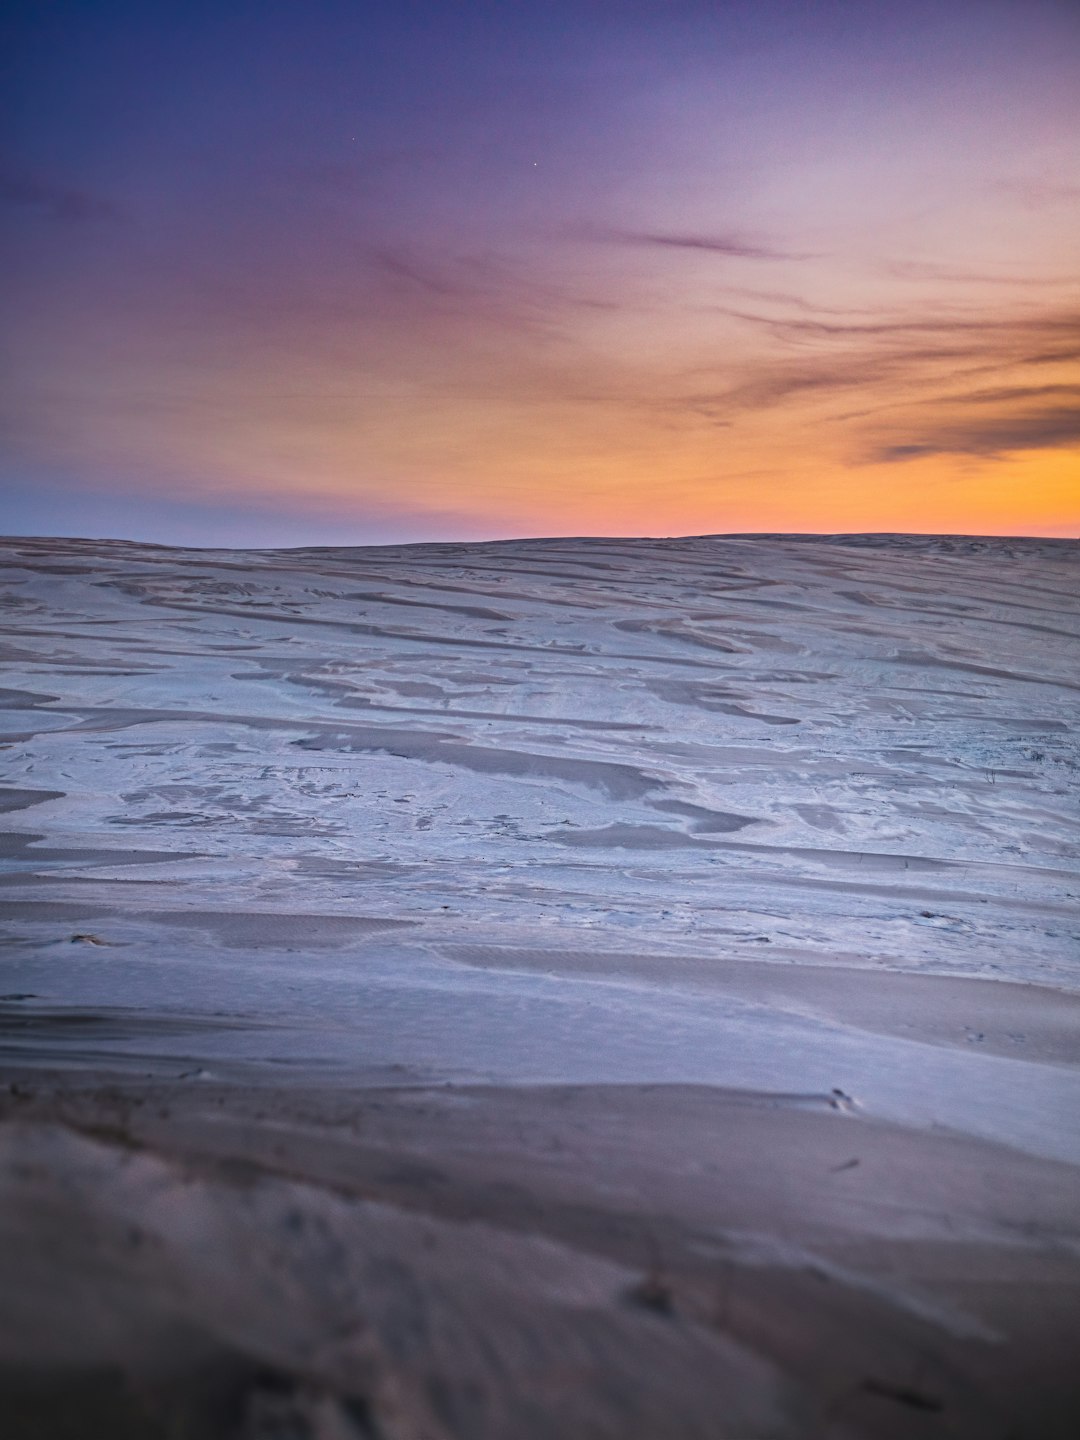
[{"x": 543, "y": 989}]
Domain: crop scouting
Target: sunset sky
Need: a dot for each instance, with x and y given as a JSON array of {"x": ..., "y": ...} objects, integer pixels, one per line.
[{"x": 290, "y": 273}]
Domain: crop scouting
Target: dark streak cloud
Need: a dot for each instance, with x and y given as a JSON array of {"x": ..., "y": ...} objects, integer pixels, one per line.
[{"x": 1039, "y": 430}]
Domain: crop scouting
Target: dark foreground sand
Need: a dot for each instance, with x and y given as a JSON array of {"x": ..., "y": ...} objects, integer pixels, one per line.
[
  {"x": 196, "y": 1258},
  {"x": 572, "y": 990}
]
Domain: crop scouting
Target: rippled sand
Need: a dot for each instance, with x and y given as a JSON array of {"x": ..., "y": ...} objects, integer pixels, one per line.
[{"x": 552, "y": 988}]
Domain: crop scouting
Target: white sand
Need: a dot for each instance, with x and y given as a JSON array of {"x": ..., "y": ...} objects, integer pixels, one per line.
[{"x": 730, "y": 885}]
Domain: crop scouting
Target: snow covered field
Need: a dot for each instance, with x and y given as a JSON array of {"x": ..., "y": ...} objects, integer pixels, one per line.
[{"x": 704, "y": 908}]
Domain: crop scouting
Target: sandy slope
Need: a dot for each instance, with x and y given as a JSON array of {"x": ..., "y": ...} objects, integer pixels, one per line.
[{"x": 608, "y": 988}]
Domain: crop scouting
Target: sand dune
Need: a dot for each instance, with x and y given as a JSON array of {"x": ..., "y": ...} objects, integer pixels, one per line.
[{"x": 649, "y": 970}]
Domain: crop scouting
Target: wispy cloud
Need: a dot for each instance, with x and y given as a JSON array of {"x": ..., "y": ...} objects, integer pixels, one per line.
[
  {"x": 732, "y": 246},
  {"x": 56, "y": 202},
  {"x": 1039, "y": 192},
  {"x": 891, "y": 388},
  {"x": 909, "y": 374},
  {"x": 1067, "y": 323},
  {"x": 1008, "y": 394},
  {"x": 488, "y": 287},
  {"x": 418, "y": 275},
  {"x": 925, "y": 270}
]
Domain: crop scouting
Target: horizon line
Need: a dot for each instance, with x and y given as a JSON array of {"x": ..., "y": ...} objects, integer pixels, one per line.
[{"x": 796, "y": 535}]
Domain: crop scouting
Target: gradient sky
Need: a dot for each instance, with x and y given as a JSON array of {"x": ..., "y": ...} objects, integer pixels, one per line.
[{"x": 344, "y": 272}]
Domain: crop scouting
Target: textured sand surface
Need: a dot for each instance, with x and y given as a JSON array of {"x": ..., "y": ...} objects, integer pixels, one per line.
[{"x": 578, "y": 987}]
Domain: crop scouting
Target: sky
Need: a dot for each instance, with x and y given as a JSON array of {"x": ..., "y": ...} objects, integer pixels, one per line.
[{"x": 349, "y": 273}]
